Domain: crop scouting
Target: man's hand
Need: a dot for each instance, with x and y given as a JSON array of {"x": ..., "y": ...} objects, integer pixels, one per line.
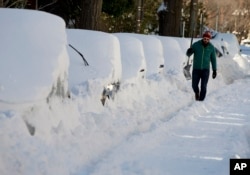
[
  {"x": 189, "y": 52},
  {"x": 214, "y": 74}
]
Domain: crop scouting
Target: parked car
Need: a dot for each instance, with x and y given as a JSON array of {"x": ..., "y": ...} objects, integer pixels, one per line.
[
  {"x": 132, "y": 58},
  {"x": 153, "y": 51},
  {"x": 34, "y": 64},
  {"x": 102, "y": 74}
]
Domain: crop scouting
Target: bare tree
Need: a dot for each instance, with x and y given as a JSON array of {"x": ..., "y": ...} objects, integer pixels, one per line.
[
  {"x": 1, "y": 3},
  {"x": 229, "y": 16},
  {"x": 90, "y": 14}
]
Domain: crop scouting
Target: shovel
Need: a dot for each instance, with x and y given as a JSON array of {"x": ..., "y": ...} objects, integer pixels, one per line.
[{"x": 186, "y": 69}]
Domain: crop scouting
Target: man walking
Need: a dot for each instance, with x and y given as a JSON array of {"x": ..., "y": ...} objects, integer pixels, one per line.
[{"x": 204, "y": 54}]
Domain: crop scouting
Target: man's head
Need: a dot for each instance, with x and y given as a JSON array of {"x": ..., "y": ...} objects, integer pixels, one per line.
[{"x": 206, "y": 37}]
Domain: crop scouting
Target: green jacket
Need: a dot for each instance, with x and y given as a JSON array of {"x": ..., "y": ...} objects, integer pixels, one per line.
[{"x": 203, "y": 56}]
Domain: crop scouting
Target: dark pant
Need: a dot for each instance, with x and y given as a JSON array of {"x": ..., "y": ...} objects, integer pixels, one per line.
[{"x": 198, "y": 75}]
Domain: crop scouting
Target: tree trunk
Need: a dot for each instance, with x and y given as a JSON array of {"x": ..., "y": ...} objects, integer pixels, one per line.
[
  {"x": 1, "y": 3},
  {"x": 90, "y": 14},
  {"x": 31, "y": 4},
  {"x": 170, "y": 19},
  {"x": 177, "y": 18}
]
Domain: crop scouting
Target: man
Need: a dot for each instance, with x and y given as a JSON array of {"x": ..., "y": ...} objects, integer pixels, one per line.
[{"x": 204, "y": 54}]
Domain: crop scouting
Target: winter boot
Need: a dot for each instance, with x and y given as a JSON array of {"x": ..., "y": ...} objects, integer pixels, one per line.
[{"x": 197, "y": 96}]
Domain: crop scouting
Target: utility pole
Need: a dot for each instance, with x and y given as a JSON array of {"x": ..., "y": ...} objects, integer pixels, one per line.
[
  {"x": 193, "y": 15},
  {"x": 139, "y": 15},
  {"x": 201, "y": 22},
  {"x": 217, "y": 19}
]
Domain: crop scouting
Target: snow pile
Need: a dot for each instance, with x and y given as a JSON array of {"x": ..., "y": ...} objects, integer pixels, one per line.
[{"x": 245, "y": 52}]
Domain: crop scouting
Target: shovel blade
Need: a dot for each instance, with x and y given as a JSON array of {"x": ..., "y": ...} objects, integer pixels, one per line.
[{"x": 186, "y": 72}]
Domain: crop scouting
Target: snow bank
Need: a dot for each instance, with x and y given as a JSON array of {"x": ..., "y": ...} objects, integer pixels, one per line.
[
  {"x": 245, "y": 51},
  {"x": 34, "y": 60}
]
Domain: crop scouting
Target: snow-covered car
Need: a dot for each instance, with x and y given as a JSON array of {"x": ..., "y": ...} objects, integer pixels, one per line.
[
  {"x": 34, "y": 64},
  {"x": 132, "y": 57},
  {"x": 95, "y": 63},
  {"x": 174, "y": 53},
  {"x": 229, "y": 43},
  {"x": 153, "y": 52},
  {"x": 245, "y": 42}
]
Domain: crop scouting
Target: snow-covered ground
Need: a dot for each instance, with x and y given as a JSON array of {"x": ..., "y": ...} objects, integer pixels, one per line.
[{"x": 152, "y": 126}]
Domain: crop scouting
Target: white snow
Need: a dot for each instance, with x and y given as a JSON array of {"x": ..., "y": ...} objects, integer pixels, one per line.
[
  {"x": 32, "y": 50},
  {"x": 162, "y": 7},
  {"x": 153, "y": 49},
  {"x": 101, "y": 51},
  {"x": 132, "y": 57},
  {"x": 152, "y": 126}
]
